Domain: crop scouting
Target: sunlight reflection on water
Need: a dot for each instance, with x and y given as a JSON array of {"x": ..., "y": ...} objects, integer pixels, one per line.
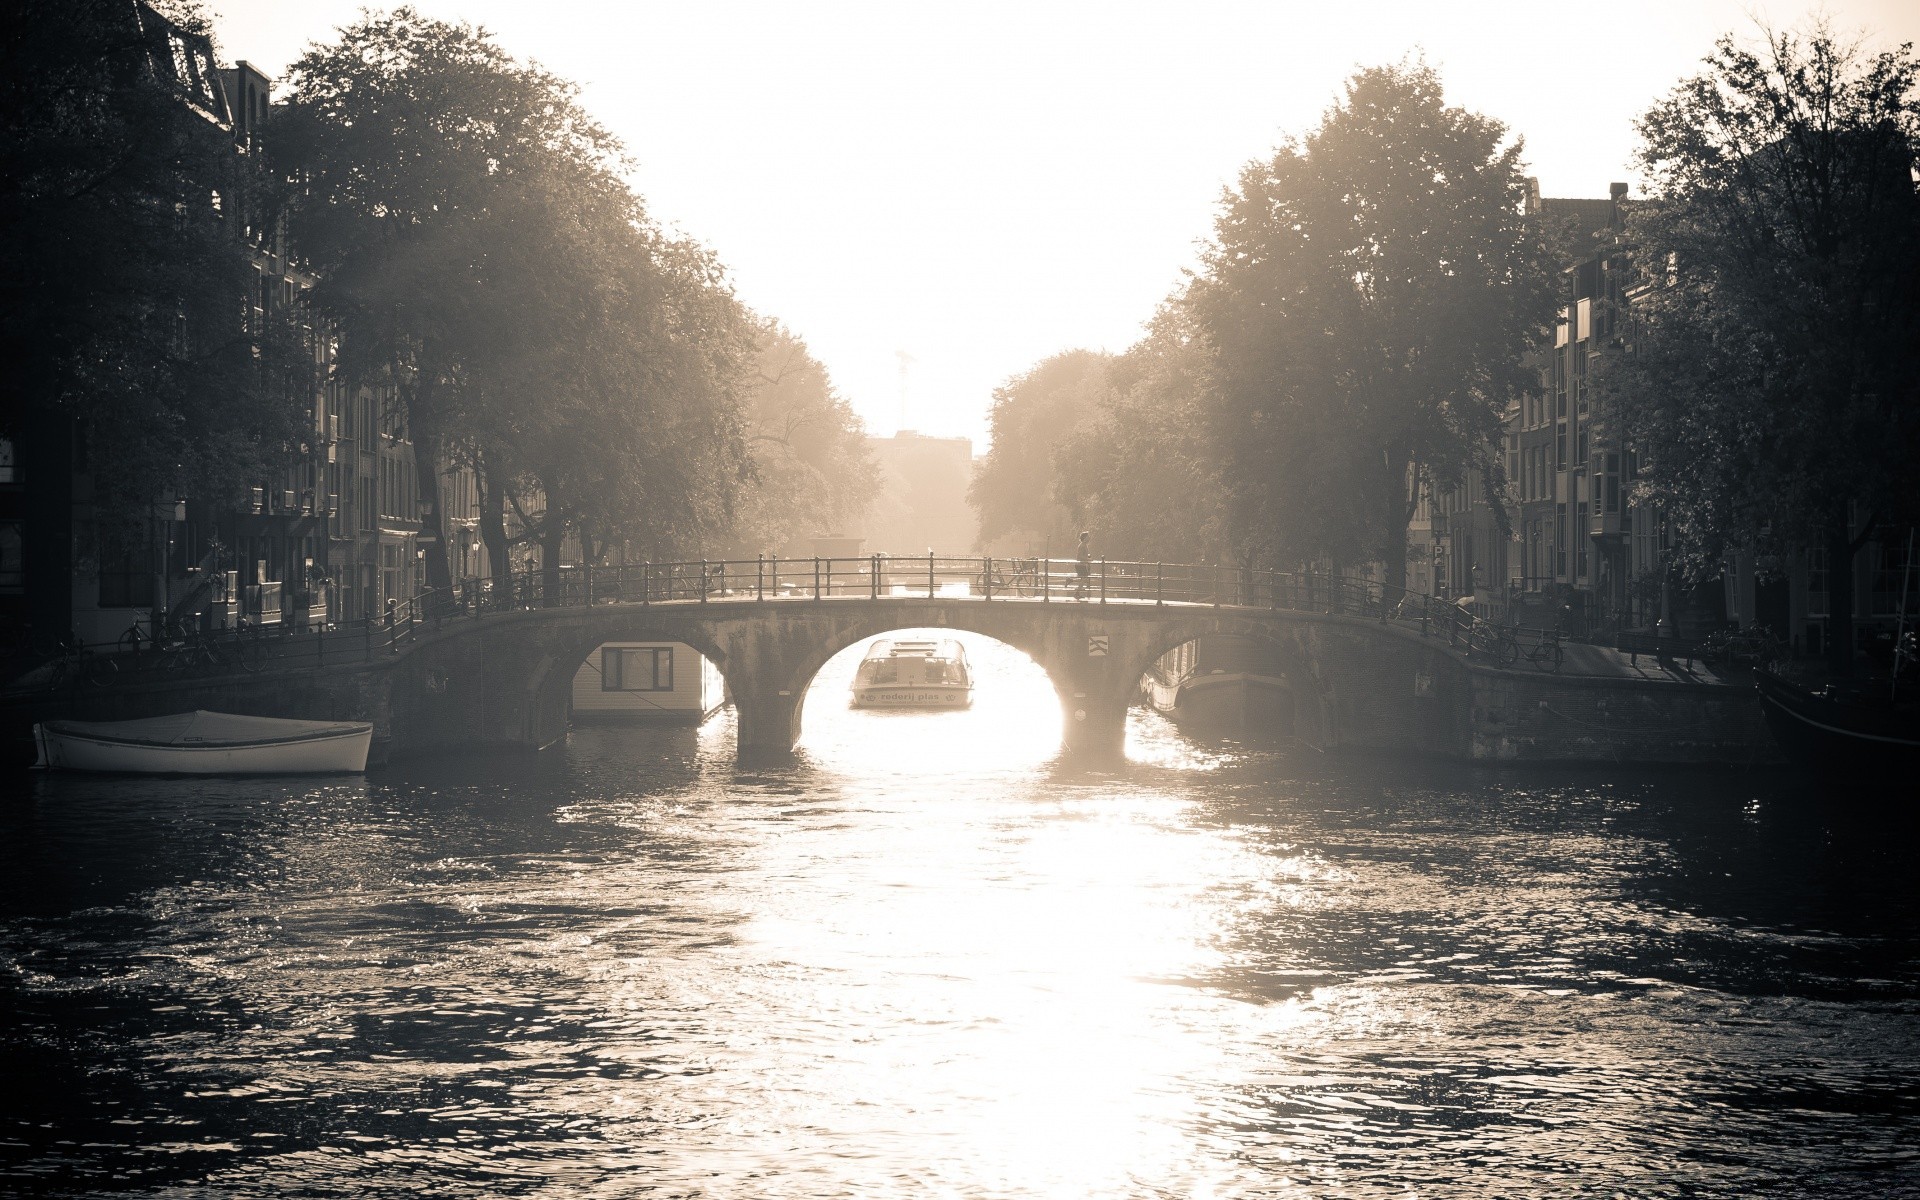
[{"x": 929, "y": 959}]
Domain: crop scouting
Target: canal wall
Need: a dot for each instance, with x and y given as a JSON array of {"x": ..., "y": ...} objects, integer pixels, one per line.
[{"x": 1528, "y": 717}]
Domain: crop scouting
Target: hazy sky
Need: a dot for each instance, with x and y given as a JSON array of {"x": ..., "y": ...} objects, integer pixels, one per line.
[{"x": 981, "y": 185}]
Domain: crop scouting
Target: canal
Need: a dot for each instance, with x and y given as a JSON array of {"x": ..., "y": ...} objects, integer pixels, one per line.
[{"x": 928, "y": 960}]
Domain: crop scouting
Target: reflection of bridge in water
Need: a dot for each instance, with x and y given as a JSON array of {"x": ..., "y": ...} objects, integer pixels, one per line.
[{"x": 1365, "y": 665}]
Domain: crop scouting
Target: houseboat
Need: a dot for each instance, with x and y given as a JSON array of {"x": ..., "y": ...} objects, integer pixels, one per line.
[
  {"x": 1222, "y": 683},
  {"x": 913, "y": 674},
  {"x": 665, "y": 682}
]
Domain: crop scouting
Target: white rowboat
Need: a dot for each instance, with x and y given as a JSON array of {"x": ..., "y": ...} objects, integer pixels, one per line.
[{"x": 204, "y": 743}]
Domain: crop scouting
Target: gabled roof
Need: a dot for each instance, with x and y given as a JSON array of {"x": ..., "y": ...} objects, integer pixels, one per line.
[
  {"x": 184, "y": 59},
  {"x": 1589, "y": 220}
]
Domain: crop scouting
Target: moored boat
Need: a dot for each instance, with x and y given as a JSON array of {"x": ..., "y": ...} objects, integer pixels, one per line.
[
  {"x": 1844, "y": 732},
  {"x": 204, "y": 743},
  {"x": 930, "y": 673}
]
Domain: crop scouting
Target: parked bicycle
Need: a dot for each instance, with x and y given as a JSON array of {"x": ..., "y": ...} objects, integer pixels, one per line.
[
  {"x": 1544, "y": 654},
  {"x": 1754, "y": 646}
]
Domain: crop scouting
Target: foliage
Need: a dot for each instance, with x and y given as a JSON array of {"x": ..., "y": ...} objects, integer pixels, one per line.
[
  {"x": 1773, "y": 369},
  {"x": 124, "y": 273},
  {"x": 482, "y": 256},
  {"x": 812, "y": 470},
  {"x": 1033, "y": 415},
  {"x": 1775, "y": 350},
  {"x": 1370, "y": 292},
  {"x": 1137, "y": 466}
]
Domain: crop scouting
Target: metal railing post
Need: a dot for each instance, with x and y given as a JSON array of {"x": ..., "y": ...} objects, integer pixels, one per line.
[
  {"x": 1044, "y": 569},
  {"x": 759, "y": 577},
  {"x": 1103, "y": 581},
  {"x": 1216, "y": 585},
  {"x": 1159, "y": 585},
  {"x": 589, "y": 584},
  {"x": 816, "y": 576},
  {"x": 873, "y": 579},
  {"x": 986, "y": 578},
  {"x": 929, "y": 574},
  {"x": 703, "y": 581},
  {"x": 646, "y": 583}
]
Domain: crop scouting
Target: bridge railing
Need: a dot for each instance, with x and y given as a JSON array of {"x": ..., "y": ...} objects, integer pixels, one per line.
[{"x": 972, "y": 578}]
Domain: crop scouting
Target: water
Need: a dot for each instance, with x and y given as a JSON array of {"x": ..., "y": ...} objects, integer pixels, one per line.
[{"x": 930, "y": 961}]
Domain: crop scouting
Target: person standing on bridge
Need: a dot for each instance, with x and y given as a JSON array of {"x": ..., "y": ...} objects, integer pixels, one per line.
[{"x": 1083, "y": 566}]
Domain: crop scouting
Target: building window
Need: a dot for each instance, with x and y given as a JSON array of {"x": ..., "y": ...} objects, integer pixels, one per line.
[
  {"x": 1817, "y": 582},
  {"x": 1560, "y": 540},
  {"x": 126, "y": 580},
  {"x": 624, "y": 669},
  {"x": 12, "y": 544},
  {"x": 1891, "y": 584},
  {"x": 1580, "y": 542}
]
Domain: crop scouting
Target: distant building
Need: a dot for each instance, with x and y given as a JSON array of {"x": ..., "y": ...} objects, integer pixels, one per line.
[
  {"x": 1575, "y": 548},
  {"x": 922, "y": 503}
]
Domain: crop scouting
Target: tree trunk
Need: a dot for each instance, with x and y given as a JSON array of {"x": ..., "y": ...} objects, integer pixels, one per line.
[
  {"x": 1840, "y": 548},
  {"x": 552, "y": 535},
  {"x": 1395, "y": 513},
  {"x": 433, "y": 517},
  {"x": 493, "y": 533}
]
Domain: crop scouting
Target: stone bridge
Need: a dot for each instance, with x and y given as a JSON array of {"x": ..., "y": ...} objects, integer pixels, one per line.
[
  {"x": 507, "y": 678},
  {"x": 1358, "y": 680}
]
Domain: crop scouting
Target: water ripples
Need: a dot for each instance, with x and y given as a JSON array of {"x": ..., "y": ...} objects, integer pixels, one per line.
[{"x": 628, "y": 967}]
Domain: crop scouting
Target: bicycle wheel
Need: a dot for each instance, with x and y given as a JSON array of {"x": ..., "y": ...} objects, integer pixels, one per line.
[
  {"x": 1559, "y": 655},
  {"x": 97, "y": 670},
  {"x": 1507, "y": 651},
  {"x": 248, "y": 654}
]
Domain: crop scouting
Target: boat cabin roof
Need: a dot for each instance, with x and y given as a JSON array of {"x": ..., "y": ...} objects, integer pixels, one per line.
[{"x": 916, "y": 648}]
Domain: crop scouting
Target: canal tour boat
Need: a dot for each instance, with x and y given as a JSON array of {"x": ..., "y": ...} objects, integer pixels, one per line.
[
  {"x": 913, "y": 674},
  {"x": 204, "y": 743}
]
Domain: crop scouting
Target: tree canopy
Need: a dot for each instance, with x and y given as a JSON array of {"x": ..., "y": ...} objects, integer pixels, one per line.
[
  {"x": 1137, "y": 467},
  {"x": 1033, "y": 416},
  {"x": 484, "y": 259},
  {"x": 124, "y": 278},
  {"x": 1774, "y": 360},
  {"x": 1370, "y": 292},
  {"x": 812, "y": 471}
]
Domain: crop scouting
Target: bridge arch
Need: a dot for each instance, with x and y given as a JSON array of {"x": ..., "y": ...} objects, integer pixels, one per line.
[
  {"x": 506, "y": 679},
  {"x": 1306, "y": 679},
  {"x": 771, "y": 709},
  {"x": 550, "y": 683}
]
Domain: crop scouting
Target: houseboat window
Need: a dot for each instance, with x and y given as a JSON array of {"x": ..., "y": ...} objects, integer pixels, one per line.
[{"x": 646, "y": 669}]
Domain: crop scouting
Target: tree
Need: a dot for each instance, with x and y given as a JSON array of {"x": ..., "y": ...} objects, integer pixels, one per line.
[
  {"x": 421, "y": 155},
  {"x": 124, "y": 271},
  {"x": 1034, "y": 415},
  {"x": 812, "y": 470},
  {"x": 1370, "y": 292},
  {"x": 484, "y": 260},
  {"x": 1138, "y": 464},
  {"x": 1771, "y": 378}
]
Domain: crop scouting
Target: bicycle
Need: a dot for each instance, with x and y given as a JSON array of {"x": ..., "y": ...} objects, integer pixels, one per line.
[{"x": 1546, "y": 654}]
